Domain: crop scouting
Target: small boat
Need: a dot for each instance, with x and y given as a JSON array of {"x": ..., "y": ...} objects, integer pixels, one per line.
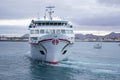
[
  {"x": 98, "y": 46},
  {"x": 118, "y": 44}
]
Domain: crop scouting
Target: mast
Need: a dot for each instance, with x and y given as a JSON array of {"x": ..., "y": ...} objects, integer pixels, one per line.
[{"x": 50, "y": 11}]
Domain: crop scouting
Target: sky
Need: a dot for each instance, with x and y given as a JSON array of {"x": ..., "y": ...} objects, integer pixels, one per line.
[{"x": 87, "y": 16}]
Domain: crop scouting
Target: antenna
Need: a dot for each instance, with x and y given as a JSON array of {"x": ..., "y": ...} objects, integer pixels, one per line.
[
  {"x": 38, "y": 15},
  {"x": 50, "y": 11},
  {"x": 45, "y": 16}
]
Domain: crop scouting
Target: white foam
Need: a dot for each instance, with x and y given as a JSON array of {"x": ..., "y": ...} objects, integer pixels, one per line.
[
  {"x": 27, "y": 54},
  {"x": 103, "y": 71}
]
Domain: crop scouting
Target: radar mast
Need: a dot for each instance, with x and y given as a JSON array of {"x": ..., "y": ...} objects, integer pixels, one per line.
[{"x": 50, "y": 11}]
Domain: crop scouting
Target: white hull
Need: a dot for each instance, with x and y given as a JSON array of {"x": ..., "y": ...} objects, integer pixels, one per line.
[{"x": 51, "y": 49}]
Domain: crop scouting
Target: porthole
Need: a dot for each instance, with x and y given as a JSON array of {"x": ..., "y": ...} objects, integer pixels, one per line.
[
  {"x": 64, "y": 51},
  {"x": 42, "y": 52}
]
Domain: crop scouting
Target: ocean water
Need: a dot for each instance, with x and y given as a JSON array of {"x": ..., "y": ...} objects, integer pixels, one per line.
[{"x": 85, "y": 63}]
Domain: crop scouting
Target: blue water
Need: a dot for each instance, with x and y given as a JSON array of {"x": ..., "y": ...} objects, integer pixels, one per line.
[{"x": 85, "y": 63}]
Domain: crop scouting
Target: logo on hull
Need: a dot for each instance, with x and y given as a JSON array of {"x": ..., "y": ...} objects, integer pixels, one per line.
[{"x": 55, "y": 41}]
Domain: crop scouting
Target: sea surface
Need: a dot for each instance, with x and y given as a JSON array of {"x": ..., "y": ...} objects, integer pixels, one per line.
[{"x": 85, "y": 63}]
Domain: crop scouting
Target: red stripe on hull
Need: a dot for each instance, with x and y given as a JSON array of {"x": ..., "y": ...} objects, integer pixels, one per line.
[
  {"x": 65, "y": 40},
  {"x": 44, "y": 40},
  {"x": 51, "y": 39},
  {"x": 53, "y": 62}
]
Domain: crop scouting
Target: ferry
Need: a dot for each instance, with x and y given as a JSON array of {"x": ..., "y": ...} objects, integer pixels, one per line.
[{"x": 51, "y": 39}]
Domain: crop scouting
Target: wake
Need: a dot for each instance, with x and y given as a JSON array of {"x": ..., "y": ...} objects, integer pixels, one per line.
[{"x": 93, "y": 67}]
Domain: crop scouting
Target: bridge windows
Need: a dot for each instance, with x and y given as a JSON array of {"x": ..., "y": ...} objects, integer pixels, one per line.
[
  {"x": 46, "y": 23},
  {"x": 51, "y": 23}
]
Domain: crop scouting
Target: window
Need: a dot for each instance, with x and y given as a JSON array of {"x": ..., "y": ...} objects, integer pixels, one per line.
[
  {"x": 47, "y": 23},
  {"x": 32, "y": 31},
  {"x": 36, "y": 31},
  {"x": 64, "y": 24},
  {"x": 43, "y": 24},
  {"x": 55, "y": 24},
  {"x": 39, "y": 24},
  {"x": 52, "y": 31},
  {"x": 51, "y": 24},
  {"x": 33, "y": 38},
  {"x": 48, "y": 31},
  {"x": 59, "y": 24},
  {"x": 63, "y": 31},
  {"x": 42, "y": 31},
  {"x": 58, "y": 31}
]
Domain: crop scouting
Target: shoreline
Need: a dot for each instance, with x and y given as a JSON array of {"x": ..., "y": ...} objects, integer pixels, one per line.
[{"x": 13, "y": 40}]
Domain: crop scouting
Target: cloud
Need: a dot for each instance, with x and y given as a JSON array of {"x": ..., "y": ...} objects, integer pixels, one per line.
[
  {"x": 98, "y": 14},
  {"x": 17, "y": 22},
  {"x": 29, "y": 8},
  {"x": 14, "y": 30},
  {"x": 110, "y": 2},
  {"x": 110, "y": 20},
  {"x": 13, "y": 9}
]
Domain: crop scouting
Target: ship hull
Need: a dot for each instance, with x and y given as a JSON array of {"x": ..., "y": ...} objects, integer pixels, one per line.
[{"x": 52, "y": 50}]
